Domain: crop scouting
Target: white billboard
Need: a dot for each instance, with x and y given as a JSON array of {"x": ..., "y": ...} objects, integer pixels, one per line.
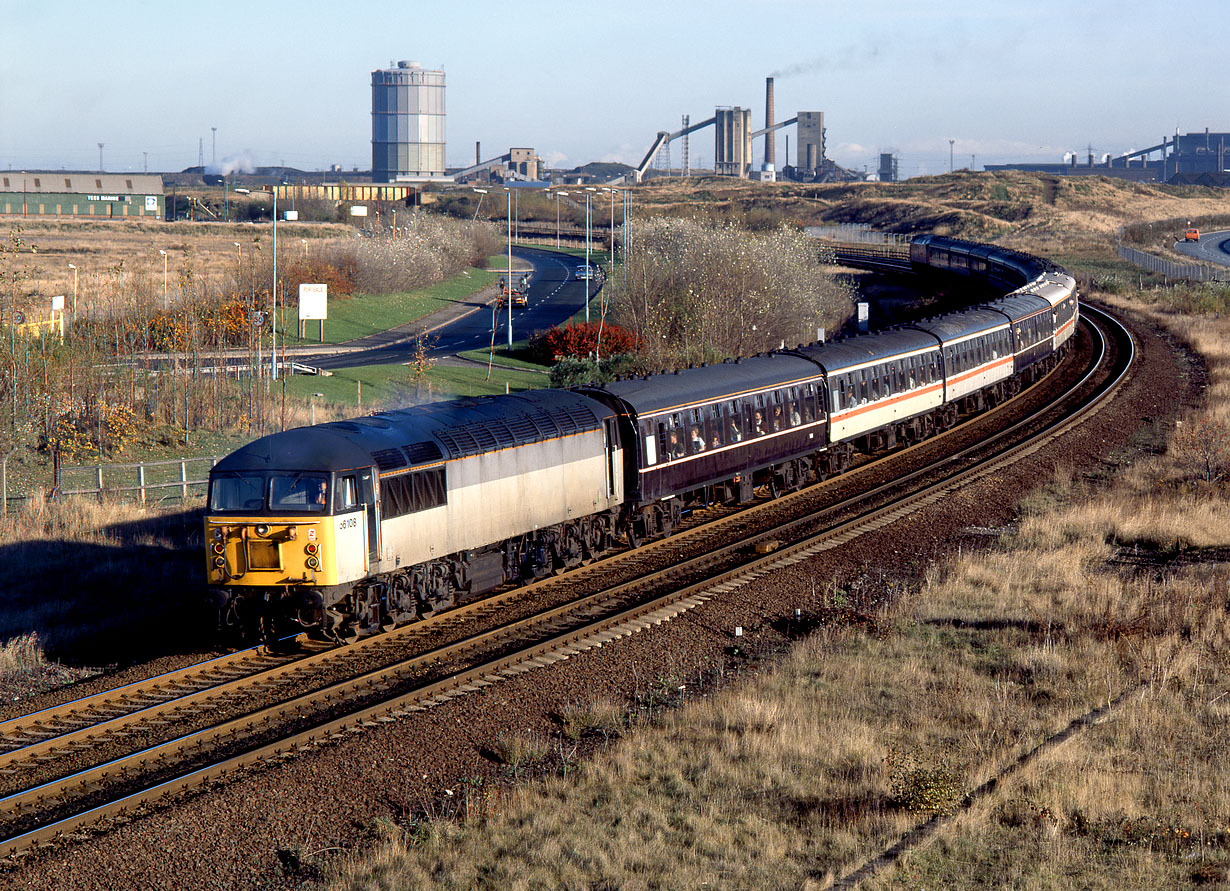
[
  {"x": 358, "y": 210},
  {"x": 313, "y": 302}
]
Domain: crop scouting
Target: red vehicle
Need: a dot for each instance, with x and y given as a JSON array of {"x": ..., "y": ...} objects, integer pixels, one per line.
[{"x": 1191, "y": 235}]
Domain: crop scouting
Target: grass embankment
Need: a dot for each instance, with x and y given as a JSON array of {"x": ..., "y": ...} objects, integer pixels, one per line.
[
  {"x": 353, "y": 317},
  {"x": 1108, "y": 590}
]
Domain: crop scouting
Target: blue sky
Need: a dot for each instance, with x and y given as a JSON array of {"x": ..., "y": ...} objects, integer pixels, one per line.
[{"x": 290, "y": 82}]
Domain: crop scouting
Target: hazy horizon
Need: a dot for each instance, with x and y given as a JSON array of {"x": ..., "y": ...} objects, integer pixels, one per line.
[{"x": 290, "y": 83}]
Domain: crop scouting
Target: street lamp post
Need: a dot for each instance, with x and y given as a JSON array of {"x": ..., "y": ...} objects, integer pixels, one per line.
[
  {"x": 589, "y": 272},
  {"x": 508, "y": 289},
  {"x": 312, "y": 402},
  {"x": 273, "y": 327},
  {"x": 612, "y": 257},
  {"x": 557, "y": 197},
  {"x": 164, "y": 278}
]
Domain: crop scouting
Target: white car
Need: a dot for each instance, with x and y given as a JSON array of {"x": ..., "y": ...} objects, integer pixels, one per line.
[{"x": 585, "y": 273}]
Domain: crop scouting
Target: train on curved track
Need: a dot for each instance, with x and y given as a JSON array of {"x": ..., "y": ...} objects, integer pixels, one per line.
[{"x": 351, "y": 526}]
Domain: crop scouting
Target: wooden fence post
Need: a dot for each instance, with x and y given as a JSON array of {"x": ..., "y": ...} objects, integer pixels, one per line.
[
  {"x": 141, "y": 481},
  {"x": 183, "y": 480}
]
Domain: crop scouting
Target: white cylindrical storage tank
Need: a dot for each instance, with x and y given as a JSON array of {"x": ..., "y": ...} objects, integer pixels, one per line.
[{"x": 407, "y": 122}]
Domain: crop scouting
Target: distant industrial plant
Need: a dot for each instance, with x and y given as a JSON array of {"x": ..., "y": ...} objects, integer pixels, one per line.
[{"x": 408, "y": 151}]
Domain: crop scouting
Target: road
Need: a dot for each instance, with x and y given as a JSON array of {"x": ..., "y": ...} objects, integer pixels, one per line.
[
  {"x": 1213, "y": 247},
  {"x": 555, "y": 295}
]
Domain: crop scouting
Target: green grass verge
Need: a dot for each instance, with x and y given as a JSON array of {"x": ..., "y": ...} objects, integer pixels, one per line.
[
  {"x": 371, "y": 313},
  {"x": 389, "y": 386}
]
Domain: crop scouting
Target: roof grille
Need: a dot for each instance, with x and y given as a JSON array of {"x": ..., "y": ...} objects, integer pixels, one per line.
[
  {"x": 389, "y": 459},
  {"x": 422, "y": 452}
]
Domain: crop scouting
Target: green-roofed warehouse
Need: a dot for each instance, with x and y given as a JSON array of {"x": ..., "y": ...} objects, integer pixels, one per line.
[{"x": 91, "y": 196}]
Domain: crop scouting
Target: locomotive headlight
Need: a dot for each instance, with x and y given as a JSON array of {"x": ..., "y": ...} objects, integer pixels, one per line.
[
  {"x": 311, "y": 548},
  {"x": 219, "y": 562},
  {"x": 313, "y": 563},
  {"x": 262, "y": 529},
  {"x": 219, "y": 548}
]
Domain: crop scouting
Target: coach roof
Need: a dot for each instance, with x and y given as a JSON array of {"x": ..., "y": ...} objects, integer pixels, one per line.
[{"x": 709, "y": 383}]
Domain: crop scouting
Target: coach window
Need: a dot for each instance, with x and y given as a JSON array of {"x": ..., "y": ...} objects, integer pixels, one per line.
[
  {"x": 695, "y": 439},
  {"x": 874, "y": 392},
  {"x": 675, "y": 435},
  {"x": 758, "y": 424},
  {"x": 717, "y": 430},
  {"x": 651, "y": 443},
  {"x": 734, "y": 422},
  {"x": 777, "y": 411}
]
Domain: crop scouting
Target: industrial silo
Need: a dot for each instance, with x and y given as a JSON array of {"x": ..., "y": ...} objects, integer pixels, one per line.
[{"x": 407, "y": 123}]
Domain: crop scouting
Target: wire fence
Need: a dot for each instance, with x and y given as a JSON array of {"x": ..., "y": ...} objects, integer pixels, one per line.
[
  {"x": 1196, "y": 272},
  {"x": 160, "y": 482}
]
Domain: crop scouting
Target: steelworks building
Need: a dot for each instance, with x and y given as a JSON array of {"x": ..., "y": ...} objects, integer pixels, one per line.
[{"x": 92, "y": 196}]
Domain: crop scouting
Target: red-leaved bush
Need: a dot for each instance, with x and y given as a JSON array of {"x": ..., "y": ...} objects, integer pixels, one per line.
[{"x": 581, "y": 340}]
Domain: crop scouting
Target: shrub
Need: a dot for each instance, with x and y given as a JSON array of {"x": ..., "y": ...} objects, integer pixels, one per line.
[
  {"x": 580, "y": 340},
  {"x": 572, "y": 371}
]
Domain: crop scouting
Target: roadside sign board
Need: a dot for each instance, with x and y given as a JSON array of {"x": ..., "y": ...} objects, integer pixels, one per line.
[{"x": 313, "y": 302}]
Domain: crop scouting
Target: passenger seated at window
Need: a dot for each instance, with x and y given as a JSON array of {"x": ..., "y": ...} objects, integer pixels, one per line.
[
  {"x": 735, "y": 434},
  {"x": 698, "y": 441},
  {"x": 758, "y": 424},
  {"x": 715, "y": 442},
  {"x": 674, "y": 448},
  {"x": 795, "y": 417},
  {"x": 778, "y": 420}
]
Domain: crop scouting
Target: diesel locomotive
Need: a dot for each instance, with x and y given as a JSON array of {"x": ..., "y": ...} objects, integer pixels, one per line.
[{"x": 348, "y": 527}]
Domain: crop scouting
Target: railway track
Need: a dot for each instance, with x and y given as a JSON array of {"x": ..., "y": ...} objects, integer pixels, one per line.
[{"x": 86, "y": 761}]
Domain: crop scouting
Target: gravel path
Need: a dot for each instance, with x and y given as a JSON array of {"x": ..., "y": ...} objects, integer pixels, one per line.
[{"x": 272, "y": 827}]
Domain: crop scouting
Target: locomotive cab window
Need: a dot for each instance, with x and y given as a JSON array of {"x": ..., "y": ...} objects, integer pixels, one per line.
[
  {"x": 237, "y": 492},
  {"x": 300, "y": 492}
]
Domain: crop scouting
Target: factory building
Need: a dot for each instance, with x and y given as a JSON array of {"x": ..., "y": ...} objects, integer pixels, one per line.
[
  {"x": 1201, "y": 158},
  {"x": 407, "y": 124},
  {"x": 810, "y": 143},
  {"x": 92, "y": 196},
  {"x": 732, "y": 141}
]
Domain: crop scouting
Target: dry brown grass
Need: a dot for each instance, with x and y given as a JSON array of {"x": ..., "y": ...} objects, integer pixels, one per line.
[{"x": 103, "y": 582}]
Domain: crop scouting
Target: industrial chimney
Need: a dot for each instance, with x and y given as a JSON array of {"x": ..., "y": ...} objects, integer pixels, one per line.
[{"x": 770, "y": 153}]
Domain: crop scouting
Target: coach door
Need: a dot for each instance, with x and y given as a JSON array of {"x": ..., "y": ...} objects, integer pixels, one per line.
[{"x": 367, "y": 494}]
